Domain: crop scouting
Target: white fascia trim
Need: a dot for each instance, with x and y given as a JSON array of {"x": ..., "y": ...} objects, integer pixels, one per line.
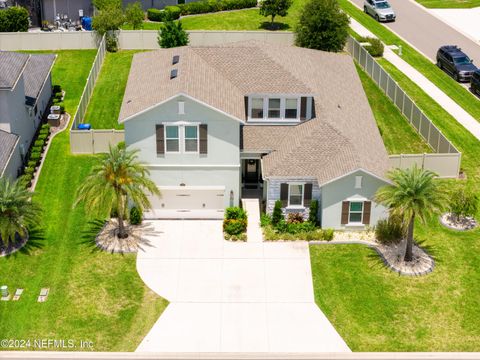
[
  {"x": 188, "y": 97},
  {"x": 352, "y": 172},
  {"x": 357, "y": 199},
  {"x": 10, "y": 156},
  {"x": 155, "y": 166}
]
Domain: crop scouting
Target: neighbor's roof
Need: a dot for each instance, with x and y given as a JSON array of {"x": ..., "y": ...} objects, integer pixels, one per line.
[
  {"x": 7, "y": 145},
  {"x": 35, "y": 69},
  {"x": 341, "y": 138}
]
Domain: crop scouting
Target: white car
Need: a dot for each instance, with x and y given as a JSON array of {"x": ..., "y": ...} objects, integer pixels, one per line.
[{"x": 381, "y": 10}]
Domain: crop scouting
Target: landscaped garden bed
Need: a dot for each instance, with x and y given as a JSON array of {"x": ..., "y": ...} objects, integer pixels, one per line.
[{"x": 235, "y": 224}]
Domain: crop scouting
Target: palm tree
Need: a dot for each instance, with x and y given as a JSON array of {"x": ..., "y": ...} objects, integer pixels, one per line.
[
  {"x": 17, "y": 211},
  {"x": 117, "y": 178},
  {"x": 413, "y": 193}
]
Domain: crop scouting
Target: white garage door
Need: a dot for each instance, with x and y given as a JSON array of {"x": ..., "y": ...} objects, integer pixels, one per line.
[{"x": 188, "y": 202}]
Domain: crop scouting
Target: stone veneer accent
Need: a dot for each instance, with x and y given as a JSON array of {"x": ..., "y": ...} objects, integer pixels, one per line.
[{"x": 273, "y": 194}]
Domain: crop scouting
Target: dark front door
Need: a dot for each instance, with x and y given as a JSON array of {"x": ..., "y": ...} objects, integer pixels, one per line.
[{"x": 251, "y": 172}]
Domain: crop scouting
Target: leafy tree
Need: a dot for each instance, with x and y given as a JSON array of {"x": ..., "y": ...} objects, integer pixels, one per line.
[
  {"x": 172, "y": 35},
  {"x": 108, "y": 21},
  {"x": 463, "y": 202},
  {"x": 17, "y": 210},
  {"x": 14, "y": 19},
  {"x": 117, "y": 178},
  {"x": 134, "y": 15},
  {"x": 322, "y": 26},
  {"x": 274, "y": 8},
  {"x": 413, "y": 193}
]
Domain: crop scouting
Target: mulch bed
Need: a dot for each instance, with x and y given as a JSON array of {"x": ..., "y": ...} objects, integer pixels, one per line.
[{"x": 462, "y": 223}]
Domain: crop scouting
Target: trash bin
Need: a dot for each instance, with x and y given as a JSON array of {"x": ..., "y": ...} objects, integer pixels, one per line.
[
  {"x": 84, "y": 127},
  {"x": 4, "y": 291}
]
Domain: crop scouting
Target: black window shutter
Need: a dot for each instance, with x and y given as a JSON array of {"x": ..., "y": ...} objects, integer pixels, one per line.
[
  {"x": 203, "y": 139},
  {"x": 284, "y": 194},
  {"x": 307, "y": 195},
  {"x": 246, "y": 107},
  {"x": 345, "y": 212},
  {"x": 160, "y": 140},
  {"x": 303, "y": 108}
]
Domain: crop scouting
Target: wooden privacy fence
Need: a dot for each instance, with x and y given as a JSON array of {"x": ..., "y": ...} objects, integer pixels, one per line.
[{"x": 446, "y": 159}]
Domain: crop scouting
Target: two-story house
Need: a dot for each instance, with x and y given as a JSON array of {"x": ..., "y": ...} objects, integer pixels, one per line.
[
  {"x": 251, "y": 119},
  {"x": 25, "y": 91}
]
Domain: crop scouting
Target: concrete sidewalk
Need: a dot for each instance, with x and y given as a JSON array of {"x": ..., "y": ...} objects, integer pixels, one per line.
[
  {"x": 447, "y": 103},
  {"x": 254, "y": 231}
]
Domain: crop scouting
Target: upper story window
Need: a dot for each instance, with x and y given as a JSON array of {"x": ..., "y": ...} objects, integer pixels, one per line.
[
  {"x": 265, "y": 108},
  {"x": 172, "y": 137},
  {"x": 191, "y": 139}
]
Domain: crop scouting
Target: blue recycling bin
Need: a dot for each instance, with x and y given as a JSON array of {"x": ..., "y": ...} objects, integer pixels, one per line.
[
  {"x": 84, "y": 127},
  {"x": 87, "y": 23}
]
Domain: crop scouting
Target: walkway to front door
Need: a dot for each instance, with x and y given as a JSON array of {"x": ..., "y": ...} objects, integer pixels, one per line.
[{"x": 231, "y": 296}]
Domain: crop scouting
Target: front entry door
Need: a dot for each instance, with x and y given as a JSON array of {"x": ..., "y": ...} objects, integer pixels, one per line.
[{"x": 251, "y": 173}]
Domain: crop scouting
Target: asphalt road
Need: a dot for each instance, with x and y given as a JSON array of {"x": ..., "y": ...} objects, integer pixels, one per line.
[{"x": 426, "y": 32}]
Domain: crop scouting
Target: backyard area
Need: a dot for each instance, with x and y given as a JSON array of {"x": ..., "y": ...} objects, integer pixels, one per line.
[
  {"x": 94, "y": 296},
  {"x": 105, "y": 103}
]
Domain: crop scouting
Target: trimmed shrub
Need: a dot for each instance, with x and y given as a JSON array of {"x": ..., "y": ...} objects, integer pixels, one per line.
[
  {"x": 45, "y": 127},
  {"x": 235, "y": 213},
  {"x": 327, "y": 234},
  {"x": 42, "y": 137},
  {"x": 463, "y": 202},
  {"x": 277, "y": 214},
  {"x": 32, "y": 164},
  {"x": 389, "y": 231},
  {"x": 155, "y": 15},
  {"x": 25, "y": 180},
  {"x": 136, "y": 216},
  {"x": 40, "y": 143},
  {"x": 234, "y": 227},
  {"x": 30, "y": 171},
  {"x": 313, "y": 214},
  {"x": 171, "y": 13},
  {"x": 294, "y": 218},
  {"x": 37, "y": 149},
  {"x": 202, "y": 7},
  {"x": 294, "y": 228},
  {"x": 56, "y": 89},
  {"x": 375, "y": 48},
  {"x": 265, "y": 220}
]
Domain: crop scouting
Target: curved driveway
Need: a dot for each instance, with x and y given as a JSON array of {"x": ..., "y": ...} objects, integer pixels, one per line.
[
  {"x": 425, "y": 31},
  {"x": 231, "y": 296}
]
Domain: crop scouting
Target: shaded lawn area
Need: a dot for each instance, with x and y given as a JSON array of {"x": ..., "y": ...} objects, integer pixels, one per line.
[
  {"x": 249, "y": 19},
  {"x": 443, "y": 81},
  {"x": 398, "y": 135},
  {"x": 94, "y": 296},
  {"x": 375, "y": 309},
  {"x": 449, "y": 4},
  {"x": 106, "y": 101}
]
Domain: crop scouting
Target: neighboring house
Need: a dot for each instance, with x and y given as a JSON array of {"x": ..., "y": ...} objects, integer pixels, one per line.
[
  {"x": 25, "y": 91},
  {"x": 251, "y": 119}
]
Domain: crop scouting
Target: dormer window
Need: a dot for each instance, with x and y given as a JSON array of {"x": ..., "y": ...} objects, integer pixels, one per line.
[{"x": 274, "y": 108}]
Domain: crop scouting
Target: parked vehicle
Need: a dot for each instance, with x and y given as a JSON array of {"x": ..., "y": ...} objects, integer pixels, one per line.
[
  {"x": 455, "y": 62},
  {"x": 381, "y": 10},
  {"x": 475, "y": 82}
]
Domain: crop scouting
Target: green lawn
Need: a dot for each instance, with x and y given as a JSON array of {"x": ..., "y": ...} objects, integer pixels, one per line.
[
  {"x": 249, "y": 19},
  {"x": 449, "y": 4},
  {"x": 107, "y": 97},
  {"x": 458, "y": 93},
  {"x": 94, "y": 296},
  {"x": 398, "y": 135},
  {"x": 375, "y": 309}
]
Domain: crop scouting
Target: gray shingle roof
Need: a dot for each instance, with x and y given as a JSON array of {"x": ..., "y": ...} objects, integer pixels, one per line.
[
  {"x": 342, "y": 138},
  {"x": 35, "y": 73},
  {"x": 7, "y": 145},
  {"x": 11, "y": 67}
]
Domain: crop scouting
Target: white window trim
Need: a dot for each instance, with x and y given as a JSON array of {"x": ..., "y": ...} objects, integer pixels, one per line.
[
  {"x": 282, "y": 117},
  {"x": 358, "y": 223},
  {"x": 181, "y": 136},
  {"x": 303, "y": 195},
  {"x": 185, "y": 139},
  {"x": 178, "y": 138}
]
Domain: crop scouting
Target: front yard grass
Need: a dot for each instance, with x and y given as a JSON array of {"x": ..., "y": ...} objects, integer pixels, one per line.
[
  {"x": 398, "y": 135},
  {"x": 106, "y": 101},
  {"x": 94, "y": 296},
  {"x": 449, "y": 4},
  {"x": 444, "y": 82}
]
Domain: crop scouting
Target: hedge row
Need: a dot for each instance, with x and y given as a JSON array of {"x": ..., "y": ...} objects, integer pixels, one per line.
[
  {"x": 199, "y": 7},
  {"x": 35, "y": 155}
]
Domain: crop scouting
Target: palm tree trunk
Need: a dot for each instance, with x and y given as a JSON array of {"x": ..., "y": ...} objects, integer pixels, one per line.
[
  {"x": 409, "y": 249},
  {"x": 122, "y": 233}
]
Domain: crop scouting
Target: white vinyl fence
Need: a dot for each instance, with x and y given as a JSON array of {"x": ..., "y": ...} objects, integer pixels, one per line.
[
  {"x": 446, "y": 159},
  {"x": 67, "y": 40}
]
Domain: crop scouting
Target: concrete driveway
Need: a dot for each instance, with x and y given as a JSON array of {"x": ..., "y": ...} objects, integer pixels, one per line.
[{"x": 231, "y": 297}]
